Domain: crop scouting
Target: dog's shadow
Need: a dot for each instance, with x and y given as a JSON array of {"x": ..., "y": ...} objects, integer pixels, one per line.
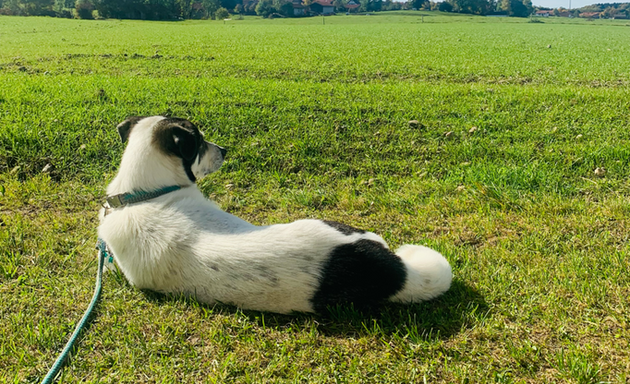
[{"x": 458, "y": 309}]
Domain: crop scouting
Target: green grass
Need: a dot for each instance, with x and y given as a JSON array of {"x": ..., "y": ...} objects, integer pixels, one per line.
[
  {"x": 316, "y": 118},
  {"x": 346, "y": 49}
]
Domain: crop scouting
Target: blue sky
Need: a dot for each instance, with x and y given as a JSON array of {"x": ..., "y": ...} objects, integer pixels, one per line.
[{"x": 574, "y": 3}]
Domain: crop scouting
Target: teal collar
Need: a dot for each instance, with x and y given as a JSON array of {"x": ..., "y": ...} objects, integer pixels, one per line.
[{"x": 124, "y": 199}]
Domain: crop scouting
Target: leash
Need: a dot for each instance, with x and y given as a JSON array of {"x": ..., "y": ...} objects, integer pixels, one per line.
[
  {"x": 102, "y": 254},
  {"x": 115, "y": 201}
]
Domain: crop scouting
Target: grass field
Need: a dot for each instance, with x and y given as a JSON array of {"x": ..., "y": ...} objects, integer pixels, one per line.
[{"x": 498, "y": 175}]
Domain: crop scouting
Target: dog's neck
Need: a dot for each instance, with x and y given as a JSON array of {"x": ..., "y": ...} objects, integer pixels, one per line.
[{"x": 144, "y": 169}]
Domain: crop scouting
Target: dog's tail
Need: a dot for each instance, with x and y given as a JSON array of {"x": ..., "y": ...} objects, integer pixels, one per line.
[{"x": 428, "y": 274}]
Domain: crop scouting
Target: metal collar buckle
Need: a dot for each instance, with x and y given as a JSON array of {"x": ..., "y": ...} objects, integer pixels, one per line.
[{"x": 114, "y": 201}]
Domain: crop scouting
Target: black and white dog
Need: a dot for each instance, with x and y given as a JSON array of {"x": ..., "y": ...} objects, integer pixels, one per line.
[{"x": 181, "y": 242}]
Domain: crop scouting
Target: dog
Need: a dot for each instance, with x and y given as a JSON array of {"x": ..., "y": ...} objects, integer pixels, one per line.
[{"x": 180, "y": 242}]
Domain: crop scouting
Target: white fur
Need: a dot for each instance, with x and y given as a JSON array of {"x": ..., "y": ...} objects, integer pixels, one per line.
[
  {"x": 428, "y": 274},
  {"x": 181, "y": 242}
]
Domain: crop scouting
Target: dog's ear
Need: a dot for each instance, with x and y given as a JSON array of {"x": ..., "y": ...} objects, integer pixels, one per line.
[
  {"x": 186, "y": 142},
  {"x": 124, "y": 128}
]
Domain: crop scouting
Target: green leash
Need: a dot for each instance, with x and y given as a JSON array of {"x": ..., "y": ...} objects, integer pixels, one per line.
[
  {"x": 52, "y": 374},
  {"x": 116, "y": 201}
]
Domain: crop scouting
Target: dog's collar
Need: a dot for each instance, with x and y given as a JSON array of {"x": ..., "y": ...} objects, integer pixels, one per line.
[{"x": 120, "y": 200}]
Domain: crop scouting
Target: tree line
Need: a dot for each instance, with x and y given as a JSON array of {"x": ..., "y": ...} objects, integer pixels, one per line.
[
  {"x": 171, "y": 9},
  {"x": 220, "y": 9},
  {"x": 118, "y": 9},
  {"x": 606, "y": 10},
  {"x": 514, "y": 8}
]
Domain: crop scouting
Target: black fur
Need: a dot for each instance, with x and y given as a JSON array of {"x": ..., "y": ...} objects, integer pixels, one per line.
[
  {"x": 343, "y": 228},
  {"x": 124, "y": 128},
  {"x": 181, "y": 138},
  {"x": 363, "y": 273},
  {"x": 174, "y": 136},
  {"x": 186, "y": 143}
]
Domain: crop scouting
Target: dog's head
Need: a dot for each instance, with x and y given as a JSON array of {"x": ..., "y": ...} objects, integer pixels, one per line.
[{"x": 171, "y": 142}]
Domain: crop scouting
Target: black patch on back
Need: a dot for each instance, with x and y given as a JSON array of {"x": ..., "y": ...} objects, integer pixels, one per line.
[
  {"x": 181, "y": 138},
  {"x": 124, "y": 128},
  {"x": 364, "y": 273},
  {"x": 343, "y": 228}
]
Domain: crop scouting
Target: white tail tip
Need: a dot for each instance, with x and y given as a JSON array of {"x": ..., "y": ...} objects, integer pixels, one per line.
[{"x": 428, "y": 274}]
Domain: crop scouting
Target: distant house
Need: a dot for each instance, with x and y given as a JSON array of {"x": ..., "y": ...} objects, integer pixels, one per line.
[
  {"x": 544, "y": 13},
  {"x": 322, "y": 7},
  {"x": 298, "y": 8},
  {"x": 352, "y": 6},
  {"x": 590, "y": 15}
]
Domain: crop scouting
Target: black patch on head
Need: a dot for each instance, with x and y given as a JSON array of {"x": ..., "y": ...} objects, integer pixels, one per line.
[
  {"x": 181, "y": 138},
  {"x": 186, "y": 143},
  {"x": 124, "y": 128},
  {"x": 343, "y": 228},
  {"x": 364, "y": 273}
]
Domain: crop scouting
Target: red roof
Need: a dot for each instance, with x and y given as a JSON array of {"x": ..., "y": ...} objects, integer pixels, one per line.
[{"x": 324, "y": 3}]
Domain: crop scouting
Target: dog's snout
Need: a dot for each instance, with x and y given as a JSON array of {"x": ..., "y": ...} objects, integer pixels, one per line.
[{"x": 223, "y": 151}]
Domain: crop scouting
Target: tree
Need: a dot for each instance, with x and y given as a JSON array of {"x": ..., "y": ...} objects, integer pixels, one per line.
[
  {"x": 529, "y": 8},
  {"x": 265, "y": 8},
  {"x": 210, "y": 7},
  {"x": 121, "y": 9},
  {"x": 376, "y": 5},
  {"x": 84, "y": 9},
  {"x": 14, "y": 7},
  {"x": 445, "y": 6},
  {"x": 63, "y": 8},
  {"x": 609, "y": 12},
  {"x": 221, "y": 14},
  {"x": 478, "y": 7},
  {"x": 229, "y": 4},
  {"x": 249, "y": 7},
  {"x": 506, "y": 6},
  {"x": 371, "y": 5},
  {"x": 37, "y": 7},
  {"x": 183, "y": 8},
  {"x": 283, "y": 7},
  {"x": 517, "y": 8},
  {"x": 339, "y": 5},
  {"x": 416, "y": 4},
  {"x": 389, "y": 5},
  {"x": 591, "y": 8}
]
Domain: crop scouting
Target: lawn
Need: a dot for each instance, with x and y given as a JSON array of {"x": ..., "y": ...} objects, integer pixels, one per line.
[{"x": 498, "y": 174}]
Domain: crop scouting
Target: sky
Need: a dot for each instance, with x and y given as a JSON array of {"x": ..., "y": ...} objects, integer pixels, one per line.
[{"x": 574, "y": 3}]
